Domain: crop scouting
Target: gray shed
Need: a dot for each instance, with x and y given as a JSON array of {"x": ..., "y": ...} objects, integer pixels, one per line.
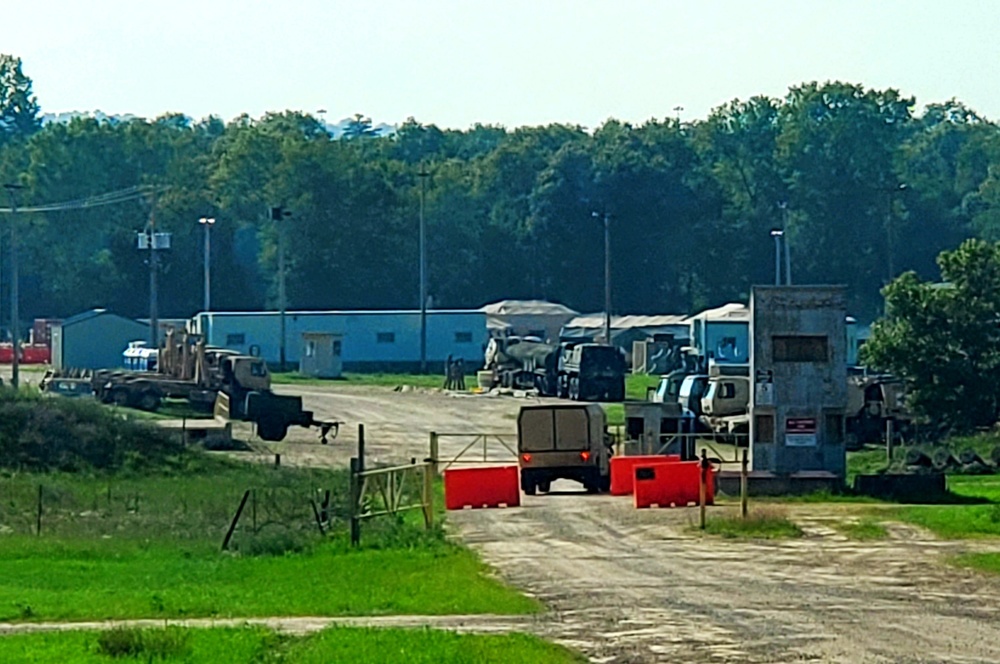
[
  {"x": 94, "y": 339},
  {"x": 322, "y": 355}
]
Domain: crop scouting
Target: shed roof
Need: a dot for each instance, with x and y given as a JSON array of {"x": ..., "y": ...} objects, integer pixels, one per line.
[
  {"x": 733, "y": 311},
  {"x": 527, "y": 308},
  {"x": 596, "y": 321}
]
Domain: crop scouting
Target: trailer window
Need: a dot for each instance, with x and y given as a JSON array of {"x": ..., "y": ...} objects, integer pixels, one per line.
[
  {"x": 385, "y": 338},
  {"x": 800, "y": 349},
  {"x": 237, "y": 339},
  {"x": 463, "y": 337},
  {"x": 571, "y": 429}
]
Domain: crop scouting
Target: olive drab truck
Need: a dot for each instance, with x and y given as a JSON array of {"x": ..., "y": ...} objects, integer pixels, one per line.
[{"x": 568, "y": 442}]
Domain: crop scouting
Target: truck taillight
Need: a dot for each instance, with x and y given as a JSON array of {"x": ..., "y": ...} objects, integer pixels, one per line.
[
  {"x": 585, "y": 456},
  {"x": 526, "y": 458}
]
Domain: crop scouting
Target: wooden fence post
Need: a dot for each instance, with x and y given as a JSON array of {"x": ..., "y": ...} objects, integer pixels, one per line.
[
  {"x": 702, "y": 482},
  {"x": 744, "y": 467},
  {"x": 354, "y": 492},
  {"x": 434, "y": 450},
  {"x": 428, "y": 496}
]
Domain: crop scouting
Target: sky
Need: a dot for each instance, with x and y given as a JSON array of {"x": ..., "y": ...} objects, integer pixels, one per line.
[{"x": 455, "y": 63}]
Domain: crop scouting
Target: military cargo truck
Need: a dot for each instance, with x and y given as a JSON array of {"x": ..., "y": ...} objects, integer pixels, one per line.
[
  {"x": 591, "y": 372},
  {"x": 563, "y": 442}
]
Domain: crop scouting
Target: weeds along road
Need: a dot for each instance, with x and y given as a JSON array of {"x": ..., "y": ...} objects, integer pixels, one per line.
[{"x": 629, "y": 585}]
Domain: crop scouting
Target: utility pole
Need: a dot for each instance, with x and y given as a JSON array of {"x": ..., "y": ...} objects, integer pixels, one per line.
[
  {"x": 278, "y": 215},
  {"x": 154, "y": 267},
  {"x": 15, "y": 333},
  {"x": 607, "y": 272},
  {"x": 422, "y": 174}
]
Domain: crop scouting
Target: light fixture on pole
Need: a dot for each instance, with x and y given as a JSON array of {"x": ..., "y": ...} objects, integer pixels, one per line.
[
  {"x": 777, "y": 235},
  {"x": 207, "y": 222}
]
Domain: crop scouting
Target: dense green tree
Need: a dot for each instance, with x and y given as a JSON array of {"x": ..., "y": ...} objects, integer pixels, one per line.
[
  {"x": 943, "y": 338},
  {"x": 18, "y": 107}
]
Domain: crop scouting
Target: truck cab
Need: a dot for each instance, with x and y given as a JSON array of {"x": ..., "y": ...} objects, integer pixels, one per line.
[{"x": 563, "y": 442}]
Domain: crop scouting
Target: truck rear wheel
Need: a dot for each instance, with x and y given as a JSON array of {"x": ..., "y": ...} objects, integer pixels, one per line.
[
  {"x": 545, "y": 486},
  {"x": 149, "y": 401},
  {"x": 272, "y": 428}
]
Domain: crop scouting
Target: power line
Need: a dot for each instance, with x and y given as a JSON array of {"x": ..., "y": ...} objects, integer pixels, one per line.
[{"x": 110, "y": 198}]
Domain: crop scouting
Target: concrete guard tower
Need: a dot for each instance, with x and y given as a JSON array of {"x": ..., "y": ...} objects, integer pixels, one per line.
[{"x": 798, "y": 364}]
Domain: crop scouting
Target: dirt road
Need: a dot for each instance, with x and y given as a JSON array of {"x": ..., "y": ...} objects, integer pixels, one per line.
[
  {"x": 638, "y": 586},
  {"x": 398, "y": 424}
]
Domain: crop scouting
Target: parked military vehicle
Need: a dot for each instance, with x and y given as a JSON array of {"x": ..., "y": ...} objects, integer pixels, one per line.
[
  {"x": 237, "y": 386},
  {"x": 872, "y": 401},
  {"x": 591, "y": 372},
  {"x": 668, "y": 389},
  {"x": 725, "y": 406},
  {"x": 578, "y": 371},
  {"x": 563, "y": 442},
  {"x": 524, "y": 363}
]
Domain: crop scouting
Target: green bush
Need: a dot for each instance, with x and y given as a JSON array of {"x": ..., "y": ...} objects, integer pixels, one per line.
[{"x": 72, "y": 435}]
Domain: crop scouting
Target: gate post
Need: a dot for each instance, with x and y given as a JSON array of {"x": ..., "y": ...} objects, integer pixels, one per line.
[
  {"x": 434, "y": 449},
  {"x": 428, "y": 495}
]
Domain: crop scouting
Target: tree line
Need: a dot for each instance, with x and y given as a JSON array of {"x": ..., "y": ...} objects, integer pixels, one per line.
[{"x": 864, "y": 185}]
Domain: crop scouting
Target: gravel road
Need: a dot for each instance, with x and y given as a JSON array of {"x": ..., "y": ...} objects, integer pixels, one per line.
[{"x": 639, "y": 586}]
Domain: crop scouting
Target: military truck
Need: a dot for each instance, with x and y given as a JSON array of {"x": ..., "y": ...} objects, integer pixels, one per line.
[
  {"x": 237, "y": 386},
  {"x": 872, "y": 401},
  {"x": 725, "y": 407},
  {"x": 563, "y": 442},
  {"x": 524, "y": 363},
  {"x": 591, "y": 372}
]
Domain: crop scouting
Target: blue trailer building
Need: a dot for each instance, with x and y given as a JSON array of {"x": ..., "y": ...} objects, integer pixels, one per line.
[{"x": 372, "y": 340}]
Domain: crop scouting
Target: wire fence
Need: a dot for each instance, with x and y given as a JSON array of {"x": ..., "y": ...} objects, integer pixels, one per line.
[{"x": 193, "y": 512}]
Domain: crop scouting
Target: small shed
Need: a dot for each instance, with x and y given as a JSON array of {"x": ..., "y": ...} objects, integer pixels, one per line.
[
  {"x": 94, "y": 339},
  {"x": 322, "y": 355}
]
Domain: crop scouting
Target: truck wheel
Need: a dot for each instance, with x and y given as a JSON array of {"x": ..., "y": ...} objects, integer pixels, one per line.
[
  {"x": 545, "y": 486},
  {"x": 272, "y": 428},
  {"x": 149, "y": 401},
  {"x": 119, "y": 397},
  {"x": 529, "y": 488}
]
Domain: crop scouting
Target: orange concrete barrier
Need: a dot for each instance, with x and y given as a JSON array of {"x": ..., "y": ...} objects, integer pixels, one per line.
[
  {"x": 481, "y": 487},
  {"x": 671, "y": 484},
  {"x": 623, "y": 470}
]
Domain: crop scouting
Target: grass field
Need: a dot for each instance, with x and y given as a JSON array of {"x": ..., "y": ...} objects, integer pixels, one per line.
[
  {"x": 150, "y": 547},
  {"x": 255, "y": 645}
]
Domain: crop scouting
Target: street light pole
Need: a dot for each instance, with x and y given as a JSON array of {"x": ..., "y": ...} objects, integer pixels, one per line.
[
  {"x": 607, "y": 273},
  {"x": 207, "y": 223},
  {"x": 888, "y": 228},
  {"x": 423, "y": 271},
  {"x": 777, "y": 235},
  {"x": 15, "y": 333},
  {"x": 784, "y": 233},
  {"x": 278, "y": 215}
]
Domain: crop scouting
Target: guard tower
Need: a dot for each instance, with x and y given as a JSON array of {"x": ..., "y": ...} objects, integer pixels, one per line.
[{"x": 798, "y": 365}]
